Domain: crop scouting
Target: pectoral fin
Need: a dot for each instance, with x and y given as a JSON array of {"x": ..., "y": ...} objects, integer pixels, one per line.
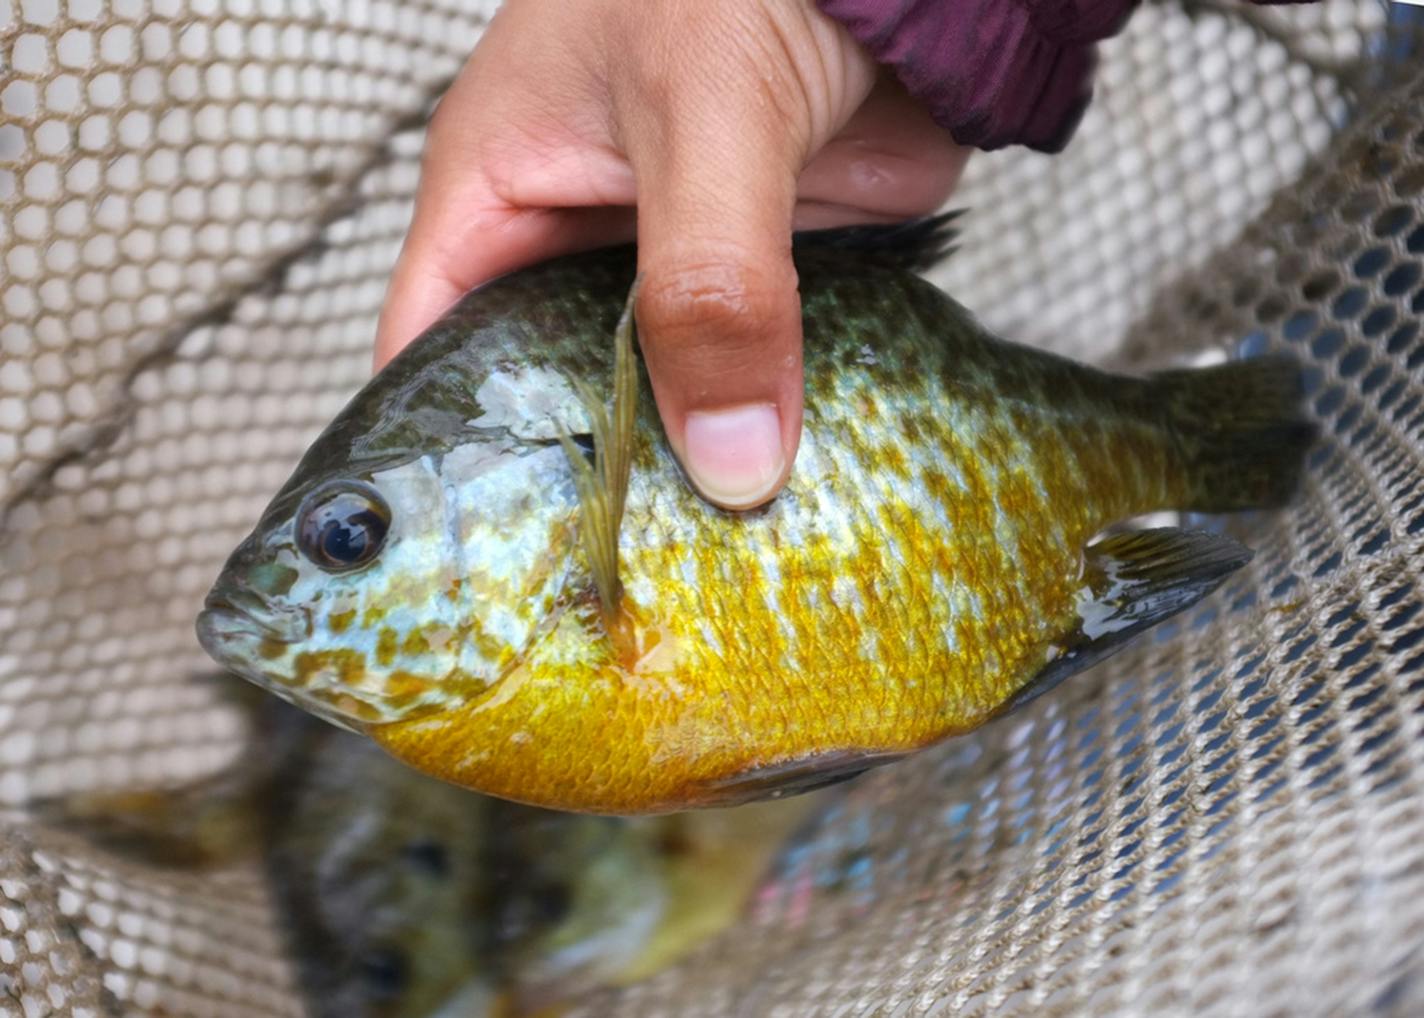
[
  {"x": 209, "y": 824},
  {"x": 603, "y": 485},
  {"x": 1131, "y": 582}
]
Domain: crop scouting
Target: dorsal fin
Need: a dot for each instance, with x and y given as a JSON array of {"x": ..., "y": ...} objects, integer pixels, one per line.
[{"x": 914, "y": 245}]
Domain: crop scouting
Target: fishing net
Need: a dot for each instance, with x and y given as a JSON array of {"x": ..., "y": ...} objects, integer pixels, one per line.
[{"x": 199, "y": 205}]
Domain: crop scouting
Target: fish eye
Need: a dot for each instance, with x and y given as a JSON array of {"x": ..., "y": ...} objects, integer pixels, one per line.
[
  {"x": 342, "y": 526},
  {"x": 428, "y": 856},
  {"x": 384, "y": 971}
]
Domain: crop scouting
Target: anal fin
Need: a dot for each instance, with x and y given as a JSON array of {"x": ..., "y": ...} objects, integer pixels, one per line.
[
  {"x": 796, "y": 776},
  {"x": 1131, "y": 582}
]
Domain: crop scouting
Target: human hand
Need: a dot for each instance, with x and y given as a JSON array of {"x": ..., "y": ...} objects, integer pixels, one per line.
[{"x": 726, "y": 124}]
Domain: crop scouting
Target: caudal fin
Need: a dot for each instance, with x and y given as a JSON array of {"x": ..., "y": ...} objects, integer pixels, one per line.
[{"x": 1241, "y": 431}]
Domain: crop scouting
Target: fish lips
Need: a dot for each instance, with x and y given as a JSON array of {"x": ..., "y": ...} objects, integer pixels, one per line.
[
  {"x": 229, "y": 630},
  {"x": 234, "y": 639},
  {"x": 220, "y": 628}
]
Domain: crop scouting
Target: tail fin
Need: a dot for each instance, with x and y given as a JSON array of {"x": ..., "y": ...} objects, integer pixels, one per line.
[{"x": 1240, "y": 429}]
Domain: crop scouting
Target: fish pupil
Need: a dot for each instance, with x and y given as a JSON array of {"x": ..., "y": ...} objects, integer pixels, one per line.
[
  {"x": 346, "y": 540},
  {"x": 343, "y": 527}
]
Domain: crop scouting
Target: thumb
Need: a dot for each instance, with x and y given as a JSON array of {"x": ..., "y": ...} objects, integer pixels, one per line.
[
  {"x": 719, "y": 315},
  {"x": 719, "y": 319}
]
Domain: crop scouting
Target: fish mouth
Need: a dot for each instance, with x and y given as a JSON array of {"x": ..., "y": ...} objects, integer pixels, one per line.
[
  {"x": 234, "y": 639},
  {"x": 227, "y": 625},
  {"x": 240, "y": 614},
  {"x": 231, "y": 637},
  {"x": 217, "y": 626}
]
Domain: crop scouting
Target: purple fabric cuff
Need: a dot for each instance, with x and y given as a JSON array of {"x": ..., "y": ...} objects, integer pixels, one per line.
[{"x": 992, "y": 72}]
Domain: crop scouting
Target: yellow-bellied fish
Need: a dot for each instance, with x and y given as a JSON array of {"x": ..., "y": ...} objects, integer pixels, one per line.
[{"x": 504, "y": 581}]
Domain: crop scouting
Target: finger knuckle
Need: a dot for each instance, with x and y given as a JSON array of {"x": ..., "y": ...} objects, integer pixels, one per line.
[{"x": 719, "y": 307}]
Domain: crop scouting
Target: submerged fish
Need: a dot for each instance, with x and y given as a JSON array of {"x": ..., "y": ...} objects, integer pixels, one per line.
[
  {"x": 403, "y": 896},
  {"x": 447, "y": 573}
]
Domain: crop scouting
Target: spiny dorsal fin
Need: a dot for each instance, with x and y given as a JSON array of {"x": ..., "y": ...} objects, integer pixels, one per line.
[
  {"x": 914, "y": 245},
  {"x": 603, "y": 487},
  {"x": 1132, "y": 581}
]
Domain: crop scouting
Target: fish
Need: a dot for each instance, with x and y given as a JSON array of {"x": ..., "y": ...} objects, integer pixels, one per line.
[
  {"x": 401, "y": 896},
  {"x": 632, "y": 895},
  {"x": 378, "y": 879},
  {"x": 377, "y": 875},
  {"x": 489, "y": 562}
]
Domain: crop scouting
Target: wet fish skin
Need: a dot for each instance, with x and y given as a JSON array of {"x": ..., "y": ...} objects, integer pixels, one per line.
[{"x": 924, "y": 564}]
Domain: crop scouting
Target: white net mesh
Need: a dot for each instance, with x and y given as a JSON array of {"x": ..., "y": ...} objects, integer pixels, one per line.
[{"x": 199, "y": 204}]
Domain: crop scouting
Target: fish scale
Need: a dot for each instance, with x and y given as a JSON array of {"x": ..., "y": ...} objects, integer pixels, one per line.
[{"x": 924, "y": 568}]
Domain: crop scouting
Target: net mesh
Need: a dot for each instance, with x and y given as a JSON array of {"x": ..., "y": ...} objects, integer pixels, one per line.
[{"x": 199, "y": 205}]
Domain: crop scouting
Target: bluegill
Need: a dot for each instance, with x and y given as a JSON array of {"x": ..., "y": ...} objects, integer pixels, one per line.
[{"x": 490, "y": 565}]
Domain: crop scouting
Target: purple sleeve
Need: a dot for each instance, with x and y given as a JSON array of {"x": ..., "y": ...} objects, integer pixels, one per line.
[{"x": 992, "y": 72}]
